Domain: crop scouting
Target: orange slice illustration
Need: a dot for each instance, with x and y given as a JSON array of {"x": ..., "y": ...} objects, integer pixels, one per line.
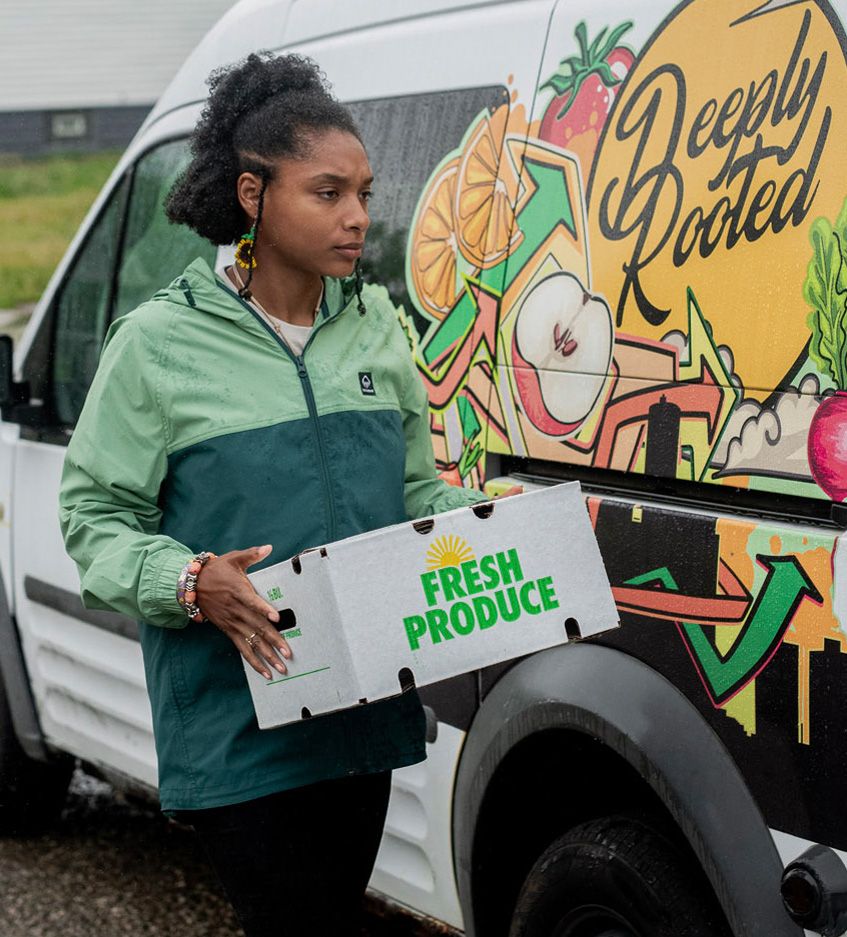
[
  {"x": 433, "y": 256},
  {"x": 485, "y": 197}
]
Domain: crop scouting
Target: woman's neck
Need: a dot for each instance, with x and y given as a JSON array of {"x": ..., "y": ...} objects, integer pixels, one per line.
[{"x": 288, "y": 295}]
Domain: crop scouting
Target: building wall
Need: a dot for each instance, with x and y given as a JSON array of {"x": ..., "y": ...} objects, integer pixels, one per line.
[
  {"x": 107, "y": 60},
  {"x": 31, "y": 133}
]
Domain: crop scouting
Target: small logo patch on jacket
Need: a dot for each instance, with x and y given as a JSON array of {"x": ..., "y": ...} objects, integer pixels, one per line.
[{"x": 366, "y": 384}]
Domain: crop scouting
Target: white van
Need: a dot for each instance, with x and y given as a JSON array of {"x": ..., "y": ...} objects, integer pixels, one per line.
[{"x": 618, "y": 236}]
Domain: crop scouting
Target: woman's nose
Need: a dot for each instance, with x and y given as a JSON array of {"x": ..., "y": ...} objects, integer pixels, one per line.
[{"x": 358, "y": 218}]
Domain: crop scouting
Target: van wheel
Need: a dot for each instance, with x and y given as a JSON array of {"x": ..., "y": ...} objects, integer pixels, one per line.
[
  {"x": 32, "y": 793},
  {"x": 615, "y": 877}
]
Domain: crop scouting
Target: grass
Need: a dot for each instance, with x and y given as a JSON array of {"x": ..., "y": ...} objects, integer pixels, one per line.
[{"x": 42, "y": 202}]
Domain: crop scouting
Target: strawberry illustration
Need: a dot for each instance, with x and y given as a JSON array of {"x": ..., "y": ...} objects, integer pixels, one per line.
[{"x": 585, "y": 87}]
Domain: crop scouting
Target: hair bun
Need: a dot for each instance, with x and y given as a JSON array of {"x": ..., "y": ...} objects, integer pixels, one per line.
[{"x": 240, "y": 89}]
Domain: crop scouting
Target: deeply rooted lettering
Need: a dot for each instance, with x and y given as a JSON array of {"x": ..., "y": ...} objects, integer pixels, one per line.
[{"x": 650, "y": 205}]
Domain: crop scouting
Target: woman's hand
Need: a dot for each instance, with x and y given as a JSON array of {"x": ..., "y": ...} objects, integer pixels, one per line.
[{"x": 227, "y": 599}]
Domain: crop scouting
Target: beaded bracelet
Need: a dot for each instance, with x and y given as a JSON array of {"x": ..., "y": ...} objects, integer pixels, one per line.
[{"x": 186, "y": 586}]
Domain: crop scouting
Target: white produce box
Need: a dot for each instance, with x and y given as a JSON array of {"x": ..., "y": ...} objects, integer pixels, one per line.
[{"x": 430, "y": 599}]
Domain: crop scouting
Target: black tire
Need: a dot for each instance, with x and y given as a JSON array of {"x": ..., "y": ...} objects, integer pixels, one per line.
[
  {"x": 615, "y": 877},
  {"x": 32, "y": 793}
]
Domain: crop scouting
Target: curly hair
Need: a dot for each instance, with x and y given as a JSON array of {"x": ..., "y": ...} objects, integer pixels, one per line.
[{"x": 258, "y": 110}]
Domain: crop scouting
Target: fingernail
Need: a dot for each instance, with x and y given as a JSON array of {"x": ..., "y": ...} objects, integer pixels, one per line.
[
  {"x": 266, "y": 674},
  {"x": 280, "y": 668},
  {"x": 273, "y": 616}
]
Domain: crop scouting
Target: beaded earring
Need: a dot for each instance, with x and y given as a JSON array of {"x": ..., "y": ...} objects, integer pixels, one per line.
[
  {"x": 244, "y": 252},
  {"x": 247, "y": 245}
]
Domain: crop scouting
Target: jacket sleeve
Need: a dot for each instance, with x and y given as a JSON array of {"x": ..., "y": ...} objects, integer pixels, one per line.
[
  {"x": 425, "y": 492},
  {"x": 108, "y": 499}
]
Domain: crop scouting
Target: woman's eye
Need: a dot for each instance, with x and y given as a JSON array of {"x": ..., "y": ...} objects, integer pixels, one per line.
[
  {"x": 367, "y": 196},
  {"x": 328, "y": 194}
]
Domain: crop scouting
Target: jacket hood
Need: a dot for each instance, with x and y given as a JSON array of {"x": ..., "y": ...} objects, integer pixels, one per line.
[{"x": 200, "y": 288}]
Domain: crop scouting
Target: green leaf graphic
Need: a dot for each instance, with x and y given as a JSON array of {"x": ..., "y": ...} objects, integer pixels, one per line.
[{"x": 825, "y": 290}]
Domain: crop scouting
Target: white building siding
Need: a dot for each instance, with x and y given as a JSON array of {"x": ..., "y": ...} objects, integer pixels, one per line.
[{"x": 58, "y": 54}]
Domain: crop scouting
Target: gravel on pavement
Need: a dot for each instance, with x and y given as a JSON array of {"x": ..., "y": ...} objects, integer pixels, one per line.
[{"x": 114, "y": 867}]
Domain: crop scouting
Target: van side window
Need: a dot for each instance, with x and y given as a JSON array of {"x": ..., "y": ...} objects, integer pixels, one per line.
[
  {"x": 133, "y": 235},
  {"x": 82, "y": 311},
  {"x": 406, "y": 138},
  {"x": 154, "y": 250}
]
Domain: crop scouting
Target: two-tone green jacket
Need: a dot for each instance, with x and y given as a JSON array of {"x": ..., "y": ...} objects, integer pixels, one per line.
[{"x": 202, "y": 431}]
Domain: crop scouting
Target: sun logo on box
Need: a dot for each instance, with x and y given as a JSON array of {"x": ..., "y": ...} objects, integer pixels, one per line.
[{"x": 448, "y": 551}]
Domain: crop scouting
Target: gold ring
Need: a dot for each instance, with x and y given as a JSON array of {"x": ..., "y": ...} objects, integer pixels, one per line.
[{"x": 252, "y": 638}]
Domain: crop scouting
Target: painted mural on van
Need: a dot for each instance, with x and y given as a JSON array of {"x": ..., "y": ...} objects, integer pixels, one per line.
[
  {"x": 640, "y": 266},
  {"x": 648, "y": 275}
]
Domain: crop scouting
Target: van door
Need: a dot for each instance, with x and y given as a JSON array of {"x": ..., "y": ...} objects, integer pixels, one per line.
[
  {"x": 437, "y": 98},
  {"x": 85, "y": 666},
  {"x": 555, "y": 336}
]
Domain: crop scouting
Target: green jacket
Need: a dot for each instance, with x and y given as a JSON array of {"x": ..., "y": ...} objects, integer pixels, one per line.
[{"x": 201, "y": 431}]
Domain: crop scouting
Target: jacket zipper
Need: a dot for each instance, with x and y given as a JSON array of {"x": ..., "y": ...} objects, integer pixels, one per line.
[
  {"x": 308, "y": 393},
  {"x": 303, "y": 374}
]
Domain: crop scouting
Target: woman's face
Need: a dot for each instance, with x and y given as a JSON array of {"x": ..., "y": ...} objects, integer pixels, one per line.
[{"x": 315, "y": 212}]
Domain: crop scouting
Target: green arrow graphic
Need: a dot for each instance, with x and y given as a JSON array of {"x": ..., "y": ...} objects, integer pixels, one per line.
[
  {"x": 550, "y": 204},
  {"x": 786, "y": 585}
]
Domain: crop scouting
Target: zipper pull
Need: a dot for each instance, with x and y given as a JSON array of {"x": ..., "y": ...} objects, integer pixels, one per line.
[{"x": 301, "y": 366}]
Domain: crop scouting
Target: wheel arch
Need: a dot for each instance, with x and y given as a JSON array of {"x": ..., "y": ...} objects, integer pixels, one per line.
[{"x": 616, "y": 724}]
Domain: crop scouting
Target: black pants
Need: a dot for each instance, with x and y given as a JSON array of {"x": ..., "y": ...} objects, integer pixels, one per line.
[{"x": 297, "y": 864}]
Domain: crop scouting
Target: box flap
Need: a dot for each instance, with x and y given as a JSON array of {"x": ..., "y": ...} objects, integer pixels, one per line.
[{"x": 318, "y": 654}]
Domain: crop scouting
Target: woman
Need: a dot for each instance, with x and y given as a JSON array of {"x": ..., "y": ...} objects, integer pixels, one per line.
[{"x": 274, "y": 403}]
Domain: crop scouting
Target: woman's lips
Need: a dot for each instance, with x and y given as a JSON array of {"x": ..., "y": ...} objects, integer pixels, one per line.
[{"x": 350, "y": 251}]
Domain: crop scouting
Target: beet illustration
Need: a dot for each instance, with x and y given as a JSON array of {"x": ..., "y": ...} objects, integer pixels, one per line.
[
  {"x": 825, "y": 290},
  {"x": 828, "y": 445}
]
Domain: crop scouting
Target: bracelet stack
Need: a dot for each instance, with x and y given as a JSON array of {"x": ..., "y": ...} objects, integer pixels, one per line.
[{"x": 186, "y": 587}]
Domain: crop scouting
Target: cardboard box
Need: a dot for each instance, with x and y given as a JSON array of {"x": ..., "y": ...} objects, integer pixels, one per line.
[{"x": 430, "y": 599}]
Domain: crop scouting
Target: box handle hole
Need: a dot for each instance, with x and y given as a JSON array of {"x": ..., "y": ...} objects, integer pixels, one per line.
[
  {"x": 305, "y": 713},
  {"x": 572, "y": 629},
  {"x": 297, "y": 565},
  {"x": 484, "y": 509},
  {"x": 424, "y": 526},
  {"x": 406, "y": 678},
  {"x": 287, "y": 620}
]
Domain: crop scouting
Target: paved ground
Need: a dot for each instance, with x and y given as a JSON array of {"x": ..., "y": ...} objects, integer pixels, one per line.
[{"x": 116, "y": 869}]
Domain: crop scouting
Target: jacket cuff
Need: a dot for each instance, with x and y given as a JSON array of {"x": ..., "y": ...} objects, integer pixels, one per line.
[
  {"x": 160, "y": 595},
  {"x": 462, "y": 497}
]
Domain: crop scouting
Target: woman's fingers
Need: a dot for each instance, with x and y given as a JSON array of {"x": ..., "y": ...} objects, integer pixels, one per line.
[
  {"x": 249, "y": 557},
  {"x": 260, "y": 606},
  {"x": 228, "y": 598},
  {"x": 250, "y": 650},
  {"x": 272, "y": 639},
  {"x": 266, "y": 647}
]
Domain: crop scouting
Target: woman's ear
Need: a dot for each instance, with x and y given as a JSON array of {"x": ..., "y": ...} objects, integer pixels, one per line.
[{"x": 248, "y": 187}]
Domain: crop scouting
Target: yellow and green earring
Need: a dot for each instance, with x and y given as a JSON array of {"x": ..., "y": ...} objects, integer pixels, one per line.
[{"x": 244, "y": 252}]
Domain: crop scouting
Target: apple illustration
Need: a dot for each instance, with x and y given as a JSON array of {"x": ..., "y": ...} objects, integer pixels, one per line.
[{"x": 561, "y": 351}]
